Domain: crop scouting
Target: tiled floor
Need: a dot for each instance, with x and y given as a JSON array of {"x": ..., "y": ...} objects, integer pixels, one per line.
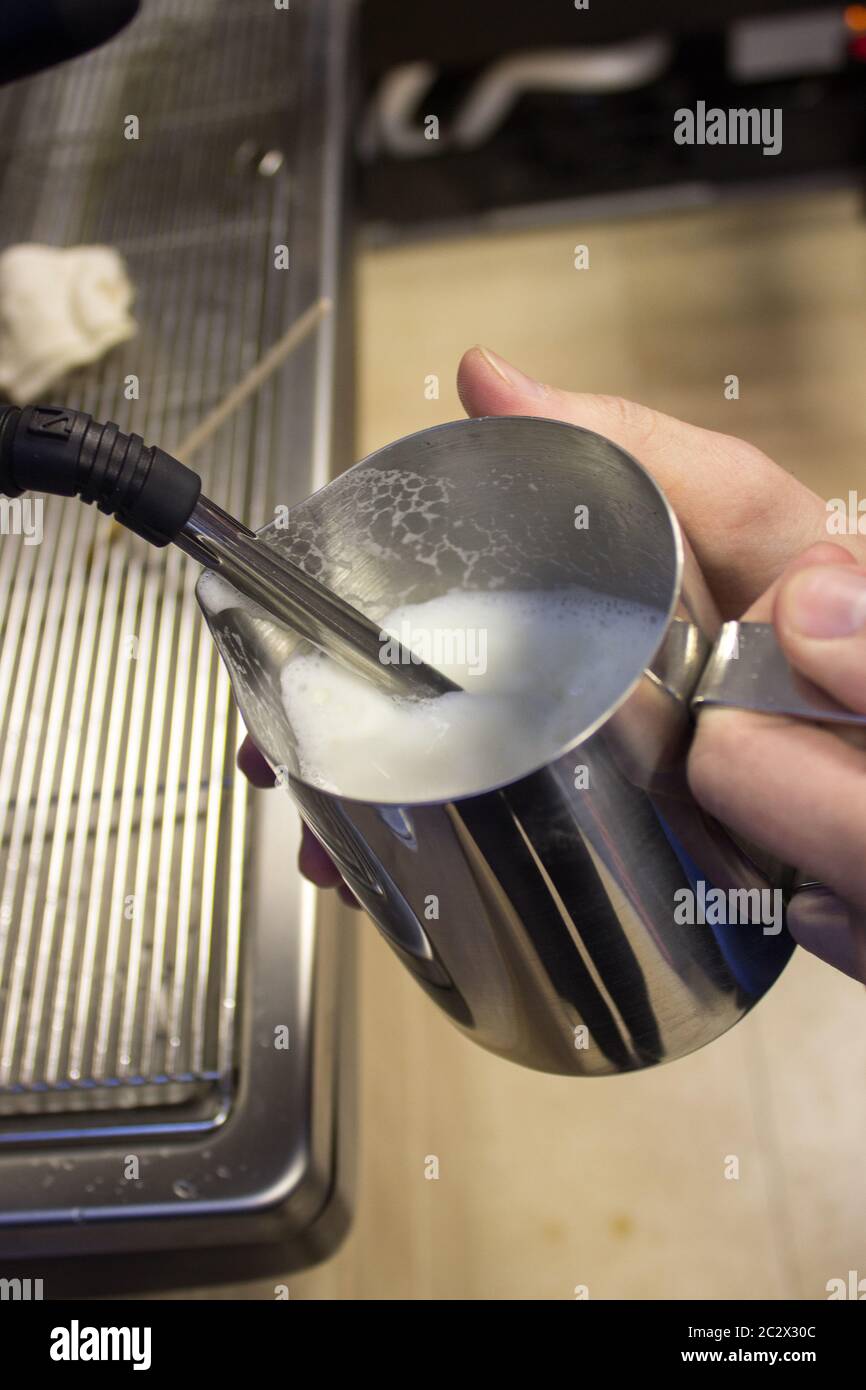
[{"x": 547, "y": 1183}]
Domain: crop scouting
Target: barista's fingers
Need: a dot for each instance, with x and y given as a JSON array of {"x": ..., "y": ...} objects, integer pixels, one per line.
[
  {"x": 840, "y": 667},
  {"x": 315, "y": 863},
  {"x": 253, "y": 765},
  {"x": 829, "y": 928},
  {"x": 825, "y": 553},
  {"x": 797, "y": 789},
  {"x": 745, "y": 517},
  {"x": 820, "y": 618}
]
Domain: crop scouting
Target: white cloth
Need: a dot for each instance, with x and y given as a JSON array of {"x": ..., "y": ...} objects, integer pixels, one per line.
[{"x": 60, "y": 307}]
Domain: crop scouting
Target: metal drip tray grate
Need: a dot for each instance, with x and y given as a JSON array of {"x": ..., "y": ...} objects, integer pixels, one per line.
[
  {"x": 113, "y": 955},
  {"x": 122, "y": 825}
]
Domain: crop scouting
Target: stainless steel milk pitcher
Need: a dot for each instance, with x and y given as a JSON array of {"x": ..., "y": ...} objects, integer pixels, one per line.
[{"x": 560, "y": 920}]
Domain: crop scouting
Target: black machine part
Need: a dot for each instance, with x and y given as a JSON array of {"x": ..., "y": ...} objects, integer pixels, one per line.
[
  {"x": 65, "y": 452},
  {"x": 36, "y": 34}
]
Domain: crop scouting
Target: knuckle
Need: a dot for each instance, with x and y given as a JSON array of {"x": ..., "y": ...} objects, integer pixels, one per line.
[{"x": 637, "y": 422}]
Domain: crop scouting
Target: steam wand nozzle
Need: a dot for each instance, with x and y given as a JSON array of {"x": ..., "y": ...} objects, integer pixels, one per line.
[{"x": 65, "y": 452}]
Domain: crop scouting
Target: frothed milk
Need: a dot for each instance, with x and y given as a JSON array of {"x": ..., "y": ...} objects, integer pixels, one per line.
[{"x": 535, "y": 669}]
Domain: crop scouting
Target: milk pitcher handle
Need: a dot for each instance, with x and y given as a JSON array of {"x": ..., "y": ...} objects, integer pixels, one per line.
[{"x": 747, "y": 669}]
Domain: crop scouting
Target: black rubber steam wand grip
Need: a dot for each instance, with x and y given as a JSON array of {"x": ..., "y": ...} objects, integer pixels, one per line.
[{"x": 47, "y": 448}]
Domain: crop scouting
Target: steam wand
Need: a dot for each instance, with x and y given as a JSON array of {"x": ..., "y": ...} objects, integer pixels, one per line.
[{"x": 65, "y": 452}]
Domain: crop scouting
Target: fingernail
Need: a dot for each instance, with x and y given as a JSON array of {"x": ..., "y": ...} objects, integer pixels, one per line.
[
  {"x": 512, "y": 376},
  {"x": 826, "y": 602}
]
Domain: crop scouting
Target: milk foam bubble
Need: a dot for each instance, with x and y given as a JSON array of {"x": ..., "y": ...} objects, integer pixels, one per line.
[{"x": 535, "y": 670}]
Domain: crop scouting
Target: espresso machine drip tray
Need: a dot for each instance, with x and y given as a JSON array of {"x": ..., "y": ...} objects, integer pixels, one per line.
[{"x": 169, "y": 989}]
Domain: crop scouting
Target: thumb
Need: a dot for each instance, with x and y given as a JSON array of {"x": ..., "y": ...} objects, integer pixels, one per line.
[
  {"x": 820, "y": 618},
  {"x": 488, "y": 385}
]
